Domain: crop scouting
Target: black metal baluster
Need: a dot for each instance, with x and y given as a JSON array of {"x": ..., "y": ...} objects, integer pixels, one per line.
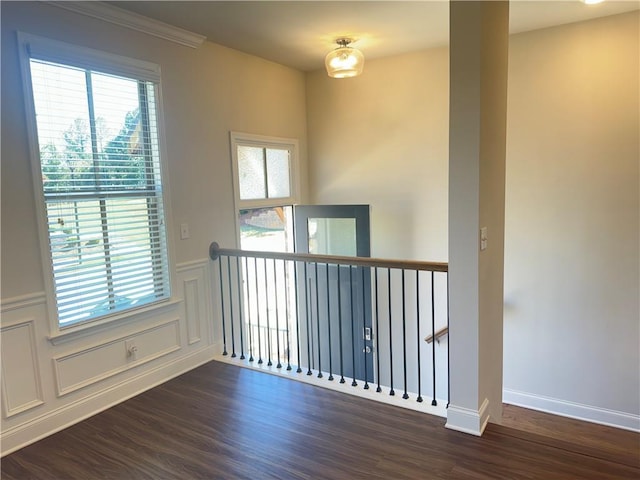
[
  {"x": 378, "y": 389},
  {"x": 295, "y": 279},
  {"x": 308, "y": 314},
  {"x": 364, "y": 350},
  {"x": 246, "y": 269},
  {"x": 255, "y": 267},
  {"x": 353, "y": 327},
  {"x": 433, "y": 343},
  {"x": 329, "y": 324},
  {"x": 391, "y": 392},
  {"x": 286, "y": 311},
  {"x": 240, "y": 300},
  {"x": 419, "y": 400},
  {"x": 266, "y": 299},
  {"x": 224, "y": 331},
  {"x": 233, "y": 335},
  {"x": 340, "y": 327},
  {"x": 404, "y": 337},
  {"x": 318, "y": 323},
  {"x": 275, "y": 291}
]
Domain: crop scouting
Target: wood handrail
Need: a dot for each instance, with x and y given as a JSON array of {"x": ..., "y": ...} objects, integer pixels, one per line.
[
  {"x": 440, "y": 333},
  {"x": 215, "y": 251}
]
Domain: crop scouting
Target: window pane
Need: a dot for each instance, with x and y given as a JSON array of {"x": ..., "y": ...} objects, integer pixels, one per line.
[
  {"x": 119, "y": 132},
  {"x": 100, "y": 267},
  {"x": 62, "y": 119},
  {"x": 100, "y": 165},
  {"x": 266, "y": 229},
  {"x": 251, "y": 173},
  {"x": 278, "y": 173}
]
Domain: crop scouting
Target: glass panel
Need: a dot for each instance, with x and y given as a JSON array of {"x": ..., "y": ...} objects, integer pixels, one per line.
[
  {"x": 60, "y": 98},
  {"x": 278, "y": 173},
  {"x": 119, "y": 135},
  {"x": 266, "y": 229},
  {"x": 251, "y": 173},
  {"x": 332, "y": 236}
]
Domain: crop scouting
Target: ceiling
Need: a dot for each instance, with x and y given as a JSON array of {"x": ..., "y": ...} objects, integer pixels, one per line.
[{"x": 300, "y": 33}]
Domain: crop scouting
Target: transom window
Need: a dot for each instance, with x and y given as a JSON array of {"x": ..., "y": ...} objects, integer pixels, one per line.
[
  {"x": 265, "y": 182},
  {"x": 101, "y": 184}
]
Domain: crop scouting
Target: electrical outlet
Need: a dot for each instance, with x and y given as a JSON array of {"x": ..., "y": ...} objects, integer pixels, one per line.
[{"x": 131, "y": 348}]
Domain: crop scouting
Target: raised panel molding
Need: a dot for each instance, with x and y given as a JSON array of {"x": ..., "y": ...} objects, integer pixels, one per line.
[
  {"x": 21, "y": 382},
  {"x": 99, "y": 362},
  {"x": 23, "y": 301},
  {"x": 192, "y": 309},
  {"x": 196, "y": 290}
]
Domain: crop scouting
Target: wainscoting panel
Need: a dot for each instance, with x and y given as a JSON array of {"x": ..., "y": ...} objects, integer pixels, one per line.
[
  {"x": 196, "y": 291},
  {"x": 21, "y": 385},
  {"x": 192, "y": 310},
  {"x": 91, "y": 365}
]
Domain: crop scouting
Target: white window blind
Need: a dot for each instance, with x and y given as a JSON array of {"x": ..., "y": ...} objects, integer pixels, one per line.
[{"x": 101, "y": 179}]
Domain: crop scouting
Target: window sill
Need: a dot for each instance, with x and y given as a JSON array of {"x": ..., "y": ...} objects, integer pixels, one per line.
[{"x": 84, "y": 330}]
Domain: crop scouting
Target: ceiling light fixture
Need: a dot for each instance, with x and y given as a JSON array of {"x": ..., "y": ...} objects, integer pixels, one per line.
[
  {"x": 592, "y": 2},
  {"x": 344, "y": 61}
]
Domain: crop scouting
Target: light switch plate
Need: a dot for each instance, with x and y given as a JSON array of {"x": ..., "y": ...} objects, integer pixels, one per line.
[{"x": 184, "y": 231}]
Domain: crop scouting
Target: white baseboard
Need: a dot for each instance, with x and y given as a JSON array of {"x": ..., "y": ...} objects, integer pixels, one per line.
[
  {"x": 578, "y": 411},
  {"x": 439, "y": 410},
  {"x": 467, "y": 420},
  {"x": 51, "y": 422}
]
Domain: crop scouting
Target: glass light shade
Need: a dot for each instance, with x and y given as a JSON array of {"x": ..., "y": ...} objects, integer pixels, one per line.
[{"x": 344, "y": 62}]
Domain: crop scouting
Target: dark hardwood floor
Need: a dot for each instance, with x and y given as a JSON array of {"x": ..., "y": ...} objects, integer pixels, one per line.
[{"x": 226, "y": 422}]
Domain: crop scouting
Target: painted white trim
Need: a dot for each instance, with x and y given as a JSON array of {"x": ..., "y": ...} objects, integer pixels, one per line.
[
  {"x": 51, "y": 422},
  {"x": 108, "y": 323},
  {"x": 467, "y": 420},
  {"x": 58, "y": 361},
  {"x": 192, "y": 309},
  {"x": 134, "y": 21},
  {"x": 439, "y": 410},
  {"x": 201, "y": 263},
  {"x": 23, "y": 301},
  {"x": 39, "y": 399},
  {"x": 564, "y": 408}
]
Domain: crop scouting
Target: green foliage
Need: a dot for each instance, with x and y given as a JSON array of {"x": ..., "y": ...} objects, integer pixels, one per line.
[{"x": 115, "y": 163}]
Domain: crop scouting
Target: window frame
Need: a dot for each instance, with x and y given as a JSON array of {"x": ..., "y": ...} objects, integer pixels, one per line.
[
  {"x": 262, "y": 141},
  {"x": 41, "y": 48}
]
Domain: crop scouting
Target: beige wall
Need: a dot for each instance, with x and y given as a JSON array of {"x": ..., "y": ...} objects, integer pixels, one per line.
[
  {"x": 571, "y": 241},
  {"x": 207, "y": 92},
  {"x": 382, "y": 139},
  {"x": 571, "y": 265}
]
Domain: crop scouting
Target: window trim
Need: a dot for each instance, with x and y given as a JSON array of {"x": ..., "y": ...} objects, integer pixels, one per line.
[
  {"x": 263, "y": 141},
  {"x": 68, "y": 54}
]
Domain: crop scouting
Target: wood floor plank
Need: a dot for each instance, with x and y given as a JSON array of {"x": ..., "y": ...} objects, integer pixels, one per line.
[{"x": 224, "y": 422}]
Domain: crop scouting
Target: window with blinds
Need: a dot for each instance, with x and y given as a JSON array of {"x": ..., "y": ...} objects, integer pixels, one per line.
[{"x": 97, "y": 135}]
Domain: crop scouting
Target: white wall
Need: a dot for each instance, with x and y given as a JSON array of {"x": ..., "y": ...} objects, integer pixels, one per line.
[
  {"x": 571, "y": 247},
  {"x": 571, "y": 265},
  {"x": 207, "y": 92}
]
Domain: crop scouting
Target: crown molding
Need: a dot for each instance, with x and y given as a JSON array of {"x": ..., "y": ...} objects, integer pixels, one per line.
[{"x": 134, "y": 21}]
